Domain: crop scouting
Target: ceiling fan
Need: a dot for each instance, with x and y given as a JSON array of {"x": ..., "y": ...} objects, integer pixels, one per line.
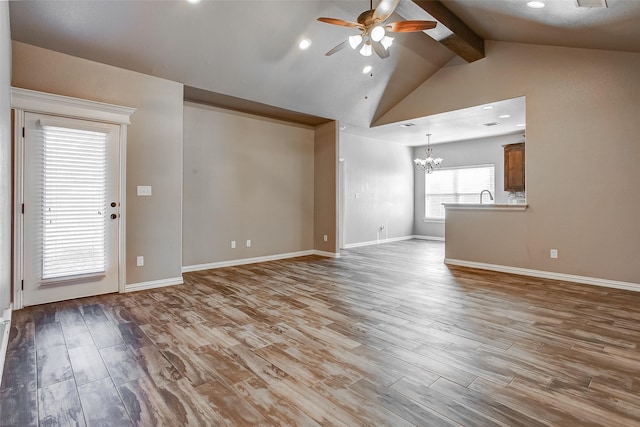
[{"x": 373, "y": 30}]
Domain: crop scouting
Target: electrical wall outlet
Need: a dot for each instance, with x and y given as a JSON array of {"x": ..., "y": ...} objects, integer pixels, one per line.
[
  {"x": 233, "y": 244},
  {"x": 144, "y": 190},
  {"x": 553, "y": 253},
  {"x": 140, "y": 261},
  {"x": 326, "y": 238},
  {"x": 248, "y": 243}
]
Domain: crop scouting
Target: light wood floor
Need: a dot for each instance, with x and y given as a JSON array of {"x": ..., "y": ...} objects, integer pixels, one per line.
[{"x": 386, "y": 335}]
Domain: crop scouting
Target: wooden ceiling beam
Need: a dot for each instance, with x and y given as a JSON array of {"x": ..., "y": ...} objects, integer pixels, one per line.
[{"x": 461, "y": 40}]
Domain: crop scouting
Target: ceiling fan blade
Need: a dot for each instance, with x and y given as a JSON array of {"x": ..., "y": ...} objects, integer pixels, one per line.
[
  {"x": 410, "y": 26},
  {"x": 337, "y": 48},
  {"x": 384, "y": 9},
  {"x": 380, "y": 50},
  {"x": 341, "y": 22}
]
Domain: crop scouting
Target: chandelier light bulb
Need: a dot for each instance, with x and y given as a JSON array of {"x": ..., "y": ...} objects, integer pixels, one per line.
[
  {"x": 377, "y": 33},
  {"x": 354, "y": 41}
]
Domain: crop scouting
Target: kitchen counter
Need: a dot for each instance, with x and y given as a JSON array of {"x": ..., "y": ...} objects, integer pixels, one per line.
[{"x": 487, "y": 206}]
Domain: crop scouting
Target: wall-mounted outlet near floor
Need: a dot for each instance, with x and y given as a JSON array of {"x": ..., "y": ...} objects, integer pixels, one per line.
[
  {"x": 140, "y": 261},
  {"x": 326, "y": 238},
  {"x": 248, "y": 243},
  {"x": 553, "y": 253},
  {"x": 233, "y": 244}
]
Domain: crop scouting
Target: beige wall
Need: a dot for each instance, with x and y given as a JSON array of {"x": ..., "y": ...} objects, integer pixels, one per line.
[
  {"x": 382, "y": 174},
  {"x": 325, "y": 160},
  {"x": 245, "y": 178},
  {"x": 582, "y": 158},
  {"x": 154, "y": 148},
  {"x": 5, "y": 158}
]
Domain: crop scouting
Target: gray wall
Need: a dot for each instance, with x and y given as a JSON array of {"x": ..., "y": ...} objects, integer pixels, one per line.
[
  {"x": 5, "y": 157},
  {"x": 582, "y": 158},
  {"x": 382, "y": 174},
  {"x": 245, "y": 178},
  {"x": 462, "y": 153},
  {"x": 154, "y": 147}
]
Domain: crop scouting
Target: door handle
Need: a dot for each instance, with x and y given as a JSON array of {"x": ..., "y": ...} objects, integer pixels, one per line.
[
  {"x": 114, "y": 216},
  {"x": 114, "y": 204}
]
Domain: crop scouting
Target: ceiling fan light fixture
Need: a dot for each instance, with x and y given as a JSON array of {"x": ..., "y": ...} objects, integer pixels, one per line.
[
  {"x": 378, "y": 33},
  {"x": 354, "y": 41},
  {"x": 366, "y": 49},
  {"x": 386, "y": 41}
]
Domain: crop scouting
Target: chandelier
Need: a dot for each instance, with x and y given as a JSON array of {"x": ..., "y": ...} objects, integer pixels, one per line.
[{"x": 428, "y": 164}]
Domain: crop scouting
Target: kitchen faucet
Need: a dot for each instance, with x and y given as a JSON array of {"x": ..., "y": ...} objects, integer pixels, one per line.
[{"x": 482, "y": 192}]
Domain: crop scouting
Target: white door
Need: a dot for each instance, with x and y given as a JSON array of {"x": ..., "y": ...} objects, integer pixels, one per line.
[{"x": 71, "y": 208}]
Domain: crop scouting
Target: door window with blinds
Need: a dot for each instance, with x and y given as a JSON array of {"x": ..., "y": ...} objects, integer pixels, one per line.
[
  {"x": 73, "y": 202},
  {"x": 71, "y": 208},
  {"x": 456, "y": 185}
]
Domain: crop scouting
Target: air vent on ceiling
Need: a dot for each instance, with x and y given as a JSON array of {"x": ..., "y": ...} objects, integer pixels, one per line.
[
  {"x": 591, "y": 3},
  {"x": 491, "y": 124}
]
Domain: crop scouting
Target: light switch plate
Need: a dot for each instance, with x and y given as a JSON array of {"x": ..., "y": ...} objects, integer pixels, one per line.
[
  {"x": 144, "y": 190},
  {"x": 139, "y": 261}
]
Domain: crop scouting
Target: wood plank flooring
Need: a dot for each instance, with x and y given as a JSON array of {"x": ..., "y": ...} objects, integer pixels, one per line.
[{"x": 384, "y": 336}]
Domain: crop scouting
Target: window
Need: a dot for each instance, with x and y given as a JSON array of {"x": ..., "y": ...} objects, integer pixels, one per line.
[
  {"x": 73, "y": 202},
  {"x": 456, "y": 185}
]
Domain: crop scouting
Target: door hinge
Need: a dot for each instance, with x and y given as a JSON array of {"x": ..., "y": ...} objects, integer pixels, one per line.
[
  {"x": 23, "y": 208},
  {"x": 23, "y": 285},
  {"x": 23, "y": 132}
]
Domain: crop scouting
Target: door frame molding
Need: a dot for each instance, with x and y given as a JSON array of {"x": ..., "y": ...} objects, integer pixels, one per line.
[{"x": 25, "y": 100}]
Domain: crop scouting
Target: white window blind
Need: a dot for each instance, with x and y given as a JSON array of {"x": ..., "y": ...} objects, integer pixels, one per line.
[
  {"x": 456, "y": 185},
  {"x": 73, "y": 202}
]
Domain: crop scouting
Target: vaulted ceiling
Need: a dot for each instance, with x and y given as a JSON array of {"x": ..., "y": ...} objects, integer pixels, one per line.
[{"x": 245, "y": 55}]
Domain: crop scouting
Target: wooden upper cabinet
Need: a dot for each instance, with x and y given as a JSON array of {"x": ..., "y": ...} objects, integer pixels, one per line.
[{"x": 514, "y": 167}]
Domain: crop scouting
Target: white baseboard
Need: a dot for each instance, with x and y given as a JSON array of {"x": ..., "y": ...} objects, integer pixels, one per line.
[
  {"x": 154, "y": 284},
  {"x": 377, "y": 242},
  {"x": 255, "y": 260},
  {"x": 327, "y": 254},
  {"x": 436, "y": 238},
  {"x": 5, "y": 329},
  {"x": 629, "y": 286}
]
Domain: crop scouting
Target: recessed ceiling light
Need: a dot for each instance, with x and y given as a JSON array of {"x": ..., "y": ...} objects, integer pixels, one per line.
[
  {"x": 487, "y": 107},
  {"x": 367, "y": 69},
  {"x": 504, "y": 116},
  {"x": 194, "y": 1},
  {"x": 304, "y": 44},
  {"x": 536, "y": 4}
]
